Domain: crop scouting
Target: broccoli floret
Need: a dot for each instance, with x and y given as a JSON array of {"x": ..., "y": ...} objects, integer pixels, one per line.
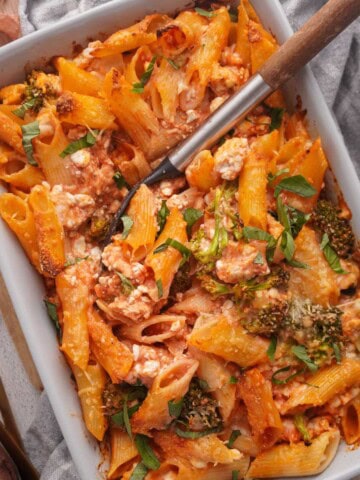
[
  {"x": 114, "y": 396},
  {"x": 200, "y": 410},
  {"x": 99, "y": 227},
  {"x": 314, "y": 325},
  {"x": 326, "y": 219},
  {"x": 267, "y": 321},
  {"x": 182, "y": 281},
  {"x": 213, "y": 286}
]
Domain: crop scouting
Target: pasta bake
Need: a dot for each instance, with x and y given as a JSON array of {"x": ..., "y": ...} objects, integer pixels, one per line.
[{"x": 217, "y": 335}]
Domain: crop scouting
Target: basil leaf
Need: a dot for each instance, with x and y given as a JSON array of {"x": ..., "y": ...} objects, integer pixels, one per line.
[
  {"x": 28, "y": 105},
  {"x": 283, "y": 214},
  {"x": 171, "y": 242},
  {"x": 337, "y": 352},
  {"x": 76, "y": 260},
  {"x": 296, "y": 184},
  {"x": 300, "y": 352},
  {"x": 147, "y": 454},
  {"x": 205, "y": 13},
  {"x": 162, "y": 215},
  {"x": 234, "y": 435},
  {"x": 233, "y": 380},
  {"x": 127, "y": 286},
  {"x": 287, "y": 245},
  {"x": 118, "y": 418},
  {"x": 127, "y": 222},
  {"x": 276, "y": 115},
  {"x": 160, "y": 288},
  {"x": 30, "y": 131},
  {"x": 138, "y": 87},
  {"x": 194, "y": 435},
  {"x": 254, "y": 233},
  {"x": 120, "y": 181},
  {"x": 297, "y": 219},
  {"x": 191, "y": 216},
  {"x": 52, "y": 312},
  {"x": 139, "y": 472},
  {"x": 330, "y": 255},
  {"x": 273, "y": 176},
  {"x": 259, "y": 259},
  {"x": 175, "y": 407},
  {"x": 87, "y": 140},
  {"x": 300, "y": 425},
  {"x": 235, "y": 475},
  {"x": 277, "y": 381},
  {"x": 172, "y": 63},
  {"x": 126, "y": 417},
  {"x": 295, "y": 263},
  {"x": 270, "y": 352}
]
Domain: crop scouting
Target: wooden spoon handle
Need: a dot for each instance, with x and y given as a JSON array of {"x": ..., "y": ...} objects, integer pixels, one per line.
[{"x": 307, "y": 42}]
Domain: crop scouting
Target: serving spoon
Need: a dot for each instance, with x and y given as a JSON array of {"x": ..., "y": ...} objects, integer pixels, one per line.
[{"x": 296, "y": 52}]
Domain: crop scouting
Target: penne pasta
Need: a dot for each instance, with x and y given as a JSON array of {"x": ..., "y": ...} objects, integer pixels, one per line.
[
  {"x": 157, "y": 328},
  {"x": 90, "y": 383},
  {"x": 170, "y": 385},
  {"x": 49, "y": 231},
  {"x": 351, "y": 421},
  {"x": 166, "y": 263},
  {"x": 113, "y": 355},
  {"x": 143, "y": 231},
  {"x": 75, "y": 79},
  {"x": 296, "y": 459},
  {"x": 324, "y": 385},
  {"x": 10, "y": 133},
  {"x": 227, "y": 340},
  {"x": 263, "y": 415},
  {"x": 123, "y": 450}
]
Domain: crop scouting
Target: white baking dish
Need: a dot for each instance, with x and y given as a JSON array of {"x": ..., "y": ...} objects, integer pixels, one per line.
[{"x": 24, "y": 285}]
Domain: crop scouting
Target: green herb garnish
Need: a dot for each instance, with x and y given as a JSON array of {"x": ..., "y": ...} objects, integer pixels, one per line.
[
  {"x": 330, "y": 255},
  {"x": 162, "y": 215},
  {"x": 300, "y": 352},
  {"x": 29, "y": 132},
  {"x": 270, "y": 352},
  {"x": 205, "y": 13},
  {"x": 193, "y": 435},
  {"x": 278, "y": 381},
  {"x": 147, "y": 454},
  {"x": 234, "y": 435},
  {"x": 139, "y": 472},
  {"x": 126, "y": 284},
  {"x": 160, "y": 288},
  {"x": 120, "y": 180},
  {"x": 191, "y": 216},
  {"x": 296, "y": 184},
  {"x": 28, "y": 105},
  {"x": 87, "y": 140},
  {"x": 52, "y": 312},
  {"x": 138, "y": 87},
  {"x": 175, "y": 407},
  {"x": 127, "y": 222}
]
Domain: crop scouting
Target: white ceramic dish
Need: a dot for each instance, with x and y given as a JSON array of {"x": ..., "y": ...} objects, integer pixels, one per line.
[{"x": 24, "y": 285}]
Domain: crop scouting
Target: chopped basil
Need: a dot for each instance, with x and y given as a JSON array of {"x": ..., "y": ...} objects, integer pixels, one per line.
[
  {"x": 28, "y": 105},
  {"x": 138, "y": 87},
  {"x": 274, "y": 176},
  {"x": 87, "y": 140},
  {"x": 194, "y": 435},
  {"x": 52, "y": 312},
  {"x": 76, "y": 260},
  {"x": 235, "y": 475},
  {"x": 205, "y": 13},
  {"x": 233, "y": 380},
  {"x": 297, "y": 219},
  {"x": 147, "y": 454},
  {"x": 283, "y": 214},
  {"x": 234, "y": 435},
  {"x": 330, "y": 255},
  {"x": 127, "y": 222},
  {"x": 259, "y": 259},
  {"x": 172, "y": 63},
  {"x": 127, "y": 286},
  {"x": 120, "y": 181},
  {"x": 287, "y": 245},
  {"x": 162, "y": 215},
  {"x": 300, "y": 352},
  {"x": 126, "y": 417},
  {"x": 191, "y": 216},
  {"x": 139, "y": 472},
  {"x": 270, "y": 352},
  {"x": 295, "y": 263},
  {"x": 160, "y": 288},
  {"x": 171, "y": 242},
  {"x": 278, "y": 381},
  {"x": 254, "y": 233},
  {"x": 337, "y": 352},
  {"x": 301, "y": 427},
  {"x": 118, "y": 418},
  {"x": 296, "y": 184},
  {"x": 175, "y": 407},
  {"x": 30, "y": 131},
  {"x": 276, "y": 115}
]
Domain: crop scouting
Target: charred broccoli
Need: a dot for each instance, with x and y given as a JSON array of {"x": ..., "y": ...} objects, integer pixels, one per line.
[
  {"x": 326, "y": 219},
  {"x": 200, "y": 410},
  {"x": 267, "y": 321},
  {"x": 114, "y": 396}
]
